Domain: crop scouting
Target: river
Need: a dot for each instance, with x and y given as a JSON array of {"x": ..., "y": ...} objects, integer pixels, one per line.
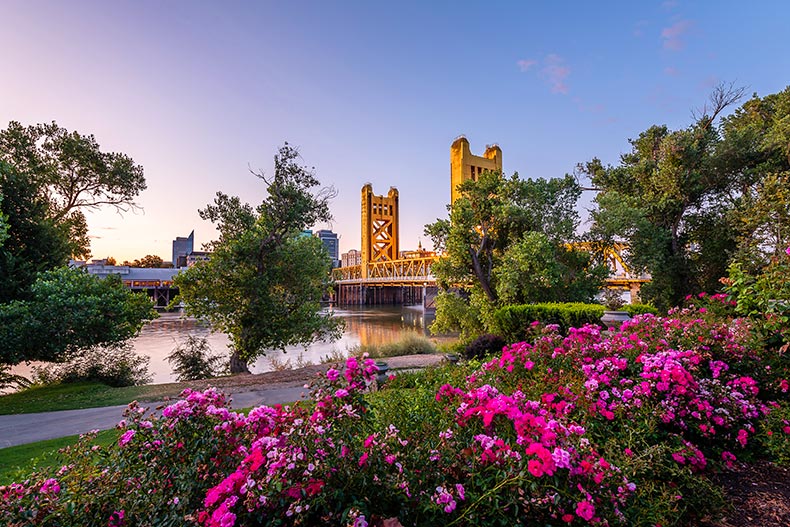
[{"x": 366, "y": 326}]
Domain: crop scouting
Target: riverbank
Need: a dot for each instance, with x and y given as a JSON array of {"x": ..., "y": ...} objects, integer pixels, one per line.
[{"x": 81, "y": 396}]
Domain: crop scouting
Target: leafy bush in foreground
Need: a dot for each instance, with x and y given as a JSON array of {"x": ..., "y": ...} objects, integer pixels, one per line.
[
  {"x": 591, "y": 428},
  {"x": 116, "y": 365}
]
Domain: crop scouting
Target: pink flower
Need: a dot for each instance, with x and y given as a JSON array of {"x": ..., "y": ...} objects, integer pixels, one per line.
[
  {"x": 332, "y": 374},
  {"x": 126, "y": 437},
  {"x": 787, "y": 251},
  {"x": 116, "y": 519},
  {"x": 460, "y": 490},
  {"x": 363, "y": 459},
  {"x": 585, "y": 510},
  {"x": 50, "y": 486}
]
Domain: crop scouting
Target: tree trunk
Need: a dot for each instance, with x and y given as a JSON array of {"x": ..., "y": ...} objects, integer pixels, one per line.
[
  {"x": 481, "y": 277},
  {"x": 237, "y": 364}
]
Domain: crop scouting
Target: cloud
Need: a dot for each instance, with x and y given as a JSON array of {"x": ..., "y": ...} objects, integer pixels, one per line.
[
  {"x": 673, "y": 36},
  {"x": 525, "y": 65},
  {"x": 555, "y": 71}
]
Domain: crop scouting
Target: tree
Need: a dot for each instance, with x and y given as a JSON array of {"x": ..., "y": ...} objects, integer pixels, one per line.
[
  {"x": 508, "y": 240},
  {"x": 69, "y": 311},
  {"x": 52, "y": 176},
  {"x": 34, "y": 241},
  {"x": 755, "y": 155},
  {"x": 147, "y": 261},
  {"x": 264, "y": 281},
  {"x": 691, "y": 201}
]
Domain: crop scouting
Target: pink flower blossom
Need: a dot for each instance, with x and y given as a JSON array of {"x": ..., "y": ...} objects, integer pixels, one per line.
[{"x": 585, "y": 510}]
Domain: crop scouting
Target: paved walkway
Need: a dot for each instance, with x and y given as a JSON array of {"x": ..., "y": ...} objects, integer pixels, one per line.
[{"x": 28, "y": 428}]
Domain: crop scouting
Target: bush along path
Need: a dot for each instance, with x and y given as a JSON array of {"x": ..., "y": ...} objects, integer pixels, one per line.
[{"x": 591, "y": 428}]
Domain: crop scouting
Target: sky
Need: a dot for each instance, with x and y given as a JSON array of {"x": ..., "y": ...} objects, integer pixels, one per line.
[{"x": 200, "y": 93}]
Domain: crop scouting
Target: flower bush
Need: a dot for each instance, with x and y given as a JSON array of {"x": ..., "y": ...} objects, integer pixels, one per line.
[{"x": 588, "y": 428}]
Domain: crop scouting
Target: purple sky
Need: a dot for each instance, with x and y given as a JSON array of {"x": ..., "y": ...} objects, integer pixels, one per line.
[{"x": 370, "y": 92}]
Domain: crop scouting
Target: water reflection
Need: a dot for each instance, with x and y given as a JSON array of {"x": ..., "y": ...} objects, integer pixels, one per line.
[{"x": 372, "y": 326}]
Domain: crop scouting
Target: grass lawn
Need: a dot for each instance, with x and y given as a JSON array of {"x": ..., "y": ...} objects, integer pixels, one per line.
[
  {"x": 17, "y": 462},
  {"x": 81, "y": 395}
]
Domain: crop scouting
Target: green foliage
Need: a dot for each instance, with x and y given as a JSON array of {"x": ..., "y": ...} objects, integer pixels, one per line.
[
  {"x": 764, "y": 297},
  {"x": 507, "y": 240},
  {"x": 690, "y": 202},
  {"x": 776, "y": 433},
  {"x": 640, "y": 309},
  {"x": 116, "y": 366},
  {"x": 514, "y": 322},
  {"x": 70, "y": 311},
  {"x": 48, "y": 177},
  {"x": 193, "y": 360},
  {"x": 264, "y": 281},
  {"x": 56, "y": 397},
  {"x": 483, "y": 346},
  {"x": 34, "y": 242},
  {"x": 19, "y": 461},
  {"x": 147, "y": 261},
  {"x": 409, "y": 344}
]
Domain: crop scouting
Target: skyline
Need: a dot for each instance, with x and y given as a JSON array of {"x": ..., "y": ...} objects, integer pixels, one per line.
[{"x": 200, "y": 93}]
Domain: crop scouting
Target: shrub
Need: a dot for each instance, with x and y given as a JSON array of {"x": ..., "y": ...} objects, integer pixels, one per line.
[
  {"x": 639, "y": 309},
  {"x": 115, "y": 366},
  {"x": 193, "y": 360},
  {"x": 588, "y": 428},
  {"x": 484, "y": 345},
  {"x": 513, "y": 322},
  {"x": 409, "y": 344}
]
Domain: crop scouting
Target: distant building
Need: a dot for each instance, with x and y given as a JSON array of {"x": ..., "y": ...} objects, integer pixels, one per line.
[
  {"x": 181, "y": 248},
  {"x": 352, "y": 257},
  {"x": 197, "y": 256},
  {"x": 330, "y": 241}
]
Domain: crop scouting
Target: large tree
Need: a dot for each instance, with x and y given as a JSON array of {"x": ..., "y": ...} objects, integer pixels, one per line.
[
  {"x": 69, "y": 311},
  {"x": 691, "y": 201},
  {"x": 508, "y": 241},
  {"x": 50, "y": 176},
  {"x": 264, "y": 281}
]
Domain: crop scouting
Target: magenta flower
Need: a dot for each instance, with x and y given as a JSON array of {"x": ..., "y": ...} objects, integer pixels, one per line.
[{"x": 585, "y": 510}]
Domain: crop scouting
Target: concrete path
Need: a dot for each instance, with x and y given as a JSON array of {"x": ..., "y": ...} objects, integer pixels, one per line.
[{"x": 28, "y": 428}]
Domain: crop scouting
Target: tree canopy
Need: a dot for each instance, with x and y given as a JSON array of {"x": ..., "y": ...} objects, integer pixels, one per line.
[
  {"x": 691, "y": 201},
  {"x": 49, "y": 176},
  {"x": 69, "y": 311},
  {"x": 264, "y": 281},
  {"x": 507, "y": 240}
]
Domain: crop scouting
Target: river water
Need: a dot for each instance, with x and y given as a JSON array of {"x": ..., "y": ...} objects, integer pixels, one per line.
[{"x": 366, "y": 326}]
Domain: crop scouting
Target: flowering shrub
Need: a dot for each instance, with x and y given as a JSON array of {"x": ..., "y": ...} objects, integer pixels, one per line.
[{"x": 592, "y": 428}]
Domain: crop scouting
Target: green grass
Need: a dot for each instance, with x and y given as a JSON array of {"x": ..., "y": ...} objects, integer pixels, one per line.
[
  {"x": 410, "y": 344},
  {"x": 78, "y": 395},
  {"x": 17, "y": 462}
]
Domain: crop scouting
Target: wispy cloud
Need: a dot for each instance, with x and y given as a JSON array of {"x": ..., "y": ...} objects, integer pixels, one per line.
[
  {"x": 556, "y": 72},
  {"x": 671, "y": 71},
  {"x": 526, "y": 64},
  {"x": 553, "y": 70},
  {"x": 670, "y": 4},
  {"x": 674, "y": 35}
]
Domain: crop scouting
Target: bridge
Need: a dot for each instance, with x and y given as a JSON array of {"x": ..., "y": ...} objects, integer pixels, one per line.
[{"x": 385, "y": 275}]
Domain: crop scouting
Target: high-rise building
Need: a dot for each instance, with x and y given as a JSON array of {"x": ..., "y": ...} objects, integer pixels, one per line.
[
  {"x": 330, "y": 241},
  {"x": 465, "y": 166},
  {"x": 182, "y": 246}
]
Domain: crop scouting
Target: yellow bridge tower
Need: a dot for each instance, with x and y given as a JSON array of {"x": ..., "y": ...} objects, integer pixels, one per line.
[
  {"x": 465, "y": 166},
  {"x": 380, "y": 242}
]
